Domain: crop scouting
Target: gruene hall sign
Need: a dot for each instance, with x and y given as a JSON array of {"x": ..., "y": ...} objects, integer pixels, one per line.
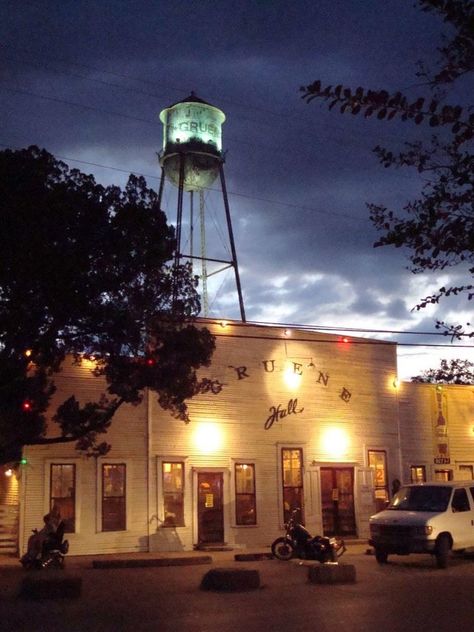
[{"x": 279, "y": 411}]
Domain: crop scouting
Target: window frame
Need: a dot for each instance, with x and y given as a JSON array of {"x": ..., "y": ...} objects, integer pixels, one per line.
[
  {"x": 252, "y": 494},
  {"x": 51, "y": 499},
  {"x": 287, "y": 512},
  {"x": 381, "y": 490},
  {"x": 443, "y": 479},
  {"x": 187, "y": 486},
  {"x": 164, "y": 493},
  {"x": 416, "y": 478},
  {"x": 123, "y": 522}
]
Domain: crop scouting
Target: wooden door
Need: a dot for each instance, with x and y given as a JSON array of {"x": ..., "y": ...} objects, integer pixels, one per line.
[
  {"x": 210, "y": 508},
  {"x": 337, "y": 499}
]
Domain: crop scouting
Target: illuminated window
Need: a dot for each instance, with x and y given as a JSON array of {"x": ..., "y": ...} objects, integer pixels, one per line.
[
  {"x": 417, "y": 473},
  {"x": 292, "y": 468},
  {"x": 113, "y": 497},
  {"x": 245, "y": 500},
  {"x": 378, "y": 463},
  {"x": 466, "y": 472},
  {"x": 62, "y": 495},
  {"x": 443, "y": 475},
  {"x": 173, "y": 494}
]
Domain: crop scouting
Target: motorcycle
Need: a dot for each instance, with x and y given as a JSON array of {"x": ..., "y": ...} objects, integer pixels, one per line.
[
  {"x": 51, "y": 552},
  {"x": 298, "y": 542}
]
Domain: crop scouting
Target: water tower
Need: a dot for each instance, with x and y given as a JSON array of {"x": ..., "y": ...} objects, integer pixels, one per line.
[{"x": 192, "y": 159}]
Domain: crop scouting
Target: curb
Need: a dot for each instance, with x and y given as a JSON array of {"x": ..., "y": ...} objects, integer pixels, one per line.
[{"x": 154, "y": 562}]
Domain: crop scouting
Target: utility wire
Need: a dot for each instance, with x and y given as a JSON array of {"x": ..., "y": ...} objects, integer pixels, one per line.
[{"x": 233, "y": 193}]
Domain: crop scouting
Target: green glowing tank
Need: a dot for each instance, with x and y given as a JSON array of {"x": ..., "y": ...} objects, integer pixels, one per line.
[{"x": 192, "y": 137}]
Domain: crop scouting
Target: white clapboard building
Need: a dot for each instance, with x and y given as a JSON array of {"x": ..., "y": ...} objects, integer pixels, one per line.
[{"x": 287, "y": 418}]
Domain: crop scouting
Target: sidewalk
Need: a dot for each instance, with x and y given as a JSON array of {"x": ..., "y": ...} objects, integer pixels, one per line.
[{"x": 174, "y": 558}]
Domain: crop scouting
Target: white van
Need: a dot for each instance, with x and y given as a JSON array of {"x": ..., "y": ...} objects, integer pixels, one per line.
[{"x": 431, "y": 518}]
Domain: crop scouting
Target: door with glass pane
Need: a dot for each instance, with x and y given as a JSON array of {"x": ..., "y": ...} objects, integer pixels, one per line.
[
  {"x": 210, "y": 508},
  {"x": 337, "y": 499}
]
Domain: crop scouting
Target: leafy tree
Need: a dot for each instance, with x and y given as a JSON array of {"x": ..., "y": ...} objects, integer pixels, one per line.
[
  {"x": 452, "y": 372},
  {"x": 437, "y": 228},
  {"x": 84, "y": 271}
]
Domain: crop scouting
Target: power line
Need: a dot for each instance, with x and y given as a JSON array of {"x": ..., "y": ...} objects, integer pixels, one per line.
[
  {"x": 232, "y": 193},
  {"x": 281, "y": 115},
  {"x": 370, "y": 342},
  {"x": 342, "y": 329}
]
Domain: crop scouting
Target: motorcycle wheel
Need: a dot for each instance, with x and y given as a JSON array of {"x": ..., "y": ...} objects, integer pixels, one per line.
[{"x": 282, "y": 549}]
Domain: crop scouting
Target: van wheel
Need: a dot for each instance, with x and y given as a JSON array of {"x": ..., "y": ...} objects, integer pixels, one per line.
[
  {"x": 443, "y": 549},
  {"x": 381, "y": 556}
]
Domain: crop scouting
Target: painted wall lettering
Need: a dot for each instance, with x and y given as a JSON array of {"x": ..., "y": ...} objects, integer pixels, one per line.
[
  {"x": 277, "y": 412},
  {"x": 240, "y": 370},
  {"x": 214, "y": 386},
  {"x": 345, "y": 395},
  {"x": 269, "y": 365},
  {"x": 323, "y": 377}
]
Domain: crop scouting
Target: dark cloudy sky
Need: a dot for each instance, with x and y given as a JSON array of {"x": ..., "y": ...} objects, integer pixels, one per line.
[{"x": 86, "y": 79}]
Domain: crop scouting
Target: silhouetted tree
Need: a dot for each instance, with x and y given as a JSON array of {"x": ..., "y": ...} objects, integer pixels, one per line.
[
  {"x": 84, "y": 271},
  {"x": 437, "y": 228},
  {"x": 452, "y": 372}
]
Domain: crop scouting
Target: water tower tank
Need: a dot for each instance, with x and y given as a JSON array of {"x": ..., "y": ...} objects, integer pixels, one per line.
[{"x": 192, "y": 138}]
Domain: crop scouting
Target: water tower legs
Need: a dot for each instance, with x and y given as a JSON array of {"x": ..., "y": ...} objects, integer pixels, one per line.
[{"x": 203, "y": 258}]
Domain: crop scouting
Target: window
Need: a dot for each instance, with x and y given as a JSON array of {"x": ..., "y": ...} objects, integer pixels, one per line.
[
  {"x": 466, "y": 472},
  {"x": 460, "y": 501},
  {"x": 417, "y": 473},
  {"x": 62, "y": 495},
  {"x": 173, "y": 494},
  {"x": 378, "y": 463},
  {"x": 245, "y": 501},
  {"x": 443, "y": 475},
  {"x": 113, "y": 497},
  {"x": 292, "y": 468}
]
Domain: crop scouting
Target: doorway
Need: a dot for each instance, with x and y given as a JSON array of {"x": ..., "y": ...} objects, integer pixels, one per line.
[
  {"x": 337, "y": 500},
  {"x": 210, "y": 508}
]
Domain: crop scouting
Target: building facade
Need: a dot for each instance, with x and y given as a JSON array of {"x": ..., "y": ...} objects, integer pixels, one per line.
[{"x": 286, "y": 418}]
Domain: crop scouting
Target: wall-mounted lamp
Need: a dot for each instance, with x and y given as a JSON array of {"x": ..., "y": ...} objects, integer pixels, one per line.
[
  {"x": 223, "y": 324},
  {"x": 208, "y": 437},
  {"x": 335, "y": 442},
  {"x": 9, "y": 472},
  {"x": 396, "y": 383}
]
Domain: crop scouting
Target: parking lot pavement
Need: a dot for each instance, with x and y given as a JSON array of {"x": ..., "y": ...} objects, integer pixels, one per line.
[{"x": 407, "y": 594}]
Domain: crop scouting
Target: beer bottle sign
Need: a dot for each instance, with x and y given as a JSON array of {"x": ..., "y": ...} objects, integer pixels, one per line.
[{"x": 441, "y": 432}]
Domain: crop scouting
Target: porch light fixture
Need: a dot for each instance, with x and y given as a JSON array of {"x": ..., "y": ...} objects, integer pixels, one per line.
[
  {"x": 207, "y": 437},
  {"x": 291, "y": 377},
  {"x": 335, "y": 442}
]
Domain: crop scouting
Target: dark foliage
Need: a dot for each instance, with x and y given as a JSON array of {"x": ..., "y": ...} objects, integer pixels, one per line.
[
  {"x": 84, "y": 271},
  {"x": 438, "y": 228},
  {"x": 452, "y": 372}
]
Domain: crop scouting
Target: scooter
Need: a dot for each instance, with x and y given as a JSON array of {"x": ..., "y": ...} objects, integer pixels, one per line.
[
  {"x": 298, "y": 542},
  {"x": 53, "y": 551}
]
